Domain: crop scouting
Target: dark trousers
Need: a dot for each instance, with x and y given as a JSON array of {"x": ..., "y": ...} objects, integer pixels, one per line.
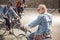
[
  {"x": 7, "y": 23},
  {"x": 20, "y": 11}
]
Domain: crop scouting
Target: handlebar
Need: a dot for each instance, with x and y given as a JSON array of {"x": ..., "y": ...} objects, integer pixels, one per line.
[
  {"x": 29, "y": 31},
  {"x": 25, "y": 30}
]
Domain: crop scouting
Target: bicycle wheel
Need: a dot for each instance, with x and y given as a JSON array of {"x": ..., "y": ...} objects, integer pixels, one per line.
[
  {"x": 23, "y": 37},
  {"x": 16, "y": 30},
  {"x": 2, "y": 28}
]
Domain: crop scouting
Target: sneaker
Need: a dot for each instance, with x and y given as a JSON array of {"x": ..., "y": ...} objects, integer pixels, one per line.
[{"x": 10, "y": 33}]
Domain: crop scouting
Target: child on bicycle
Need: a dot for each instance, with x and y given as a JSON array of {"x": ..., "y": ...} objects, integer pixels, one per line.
[
  {"x": 8, "y": 14},
  {"x": 44, "y": 22}
]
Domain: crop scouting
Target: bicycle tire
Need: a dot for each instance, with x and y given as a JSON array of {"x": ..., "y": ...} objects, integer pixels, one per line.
[
  {"x": 16, "y": 29},
  {"x": 2, "y": 28},
  {"x": 23, "y": 37}
]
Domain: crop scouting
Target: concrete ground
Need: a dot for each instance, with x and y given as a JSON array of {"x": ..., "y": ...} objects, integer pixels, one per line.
[{"x": 29, "y": 16}]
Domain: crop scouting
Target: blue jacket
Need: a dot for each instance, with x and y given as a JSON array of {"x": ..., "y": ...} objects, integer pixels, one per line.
[
  {"x": 9, "y": 12},
  {"x": 44, "y": 23}
]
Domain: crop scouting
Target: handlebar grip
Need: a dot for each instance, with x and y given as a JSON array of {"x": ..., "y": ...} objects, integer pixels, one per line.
[
  {"x": 29, "y": 31},
  {"x": 25, "y": 30}
]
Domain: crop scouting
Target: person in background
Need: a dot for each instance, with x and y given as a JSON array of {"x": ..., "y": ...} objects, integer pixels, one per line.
[
  {"x": 24, "y": 4},
  {"x": 19, "y": 6},
  {"x": 44, "y": 22},
  {"x": 8, "y": 14},
  {"x": 23, "y": 1}
]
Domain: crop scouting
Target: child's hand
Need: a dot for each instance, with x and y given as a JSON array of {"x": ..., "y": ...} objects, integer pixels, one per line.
[{"x": 5, "y": 16}]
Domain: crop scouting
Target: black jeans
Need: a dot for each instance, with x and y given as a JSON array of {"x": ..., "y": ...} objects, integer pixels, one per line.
[
  {"x": 7, "y": 22},
  {"x": 20, "y": 10}
]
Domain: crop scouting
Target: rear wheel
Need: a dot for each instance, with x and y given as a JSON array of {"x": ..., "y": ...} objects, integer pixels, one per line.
[{"x": 2, "y": 27}]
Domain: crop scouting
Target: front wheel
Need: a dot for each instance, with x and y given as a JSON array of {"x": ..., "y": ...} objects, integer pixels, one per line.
[
  {"x": 22, "y": 37},
  {"x": 16, "y": 29}
]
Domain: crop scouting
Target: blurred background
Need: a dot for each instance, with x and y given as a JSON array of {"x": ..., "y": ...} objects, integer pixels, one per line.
[
  {"x": 30, "y": 12},
  {"x": 35, "y": 3}
]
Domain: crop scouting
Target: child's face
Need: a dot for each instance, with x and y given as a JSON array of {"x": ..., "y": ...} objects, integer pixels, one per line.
[
  {"x": 8, "y": 5},
  {"x": 40, "y": 10}
]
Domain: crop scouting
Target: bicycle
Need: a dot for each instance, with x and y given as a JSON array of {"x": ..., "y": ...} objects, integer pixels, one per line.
[
  {"x": 24, "y": 35},
  {"x": 27, "y": 34},
  {"x": 3, "y": 30}
]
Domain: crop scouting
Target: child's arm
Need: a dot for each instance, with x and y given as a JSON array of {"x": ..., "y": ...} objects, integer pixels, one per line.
[{"x": 36, "y": 22}]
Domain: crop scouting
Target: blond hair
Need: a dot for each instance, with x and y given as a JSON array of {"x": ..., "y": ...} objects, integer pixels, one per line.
[{"x": 43, "y": 7}]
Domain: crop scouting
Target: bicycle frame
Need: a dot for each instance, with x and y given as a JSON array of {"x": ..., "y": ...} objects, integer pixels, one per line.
[{"x": 26, "y": 34}]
